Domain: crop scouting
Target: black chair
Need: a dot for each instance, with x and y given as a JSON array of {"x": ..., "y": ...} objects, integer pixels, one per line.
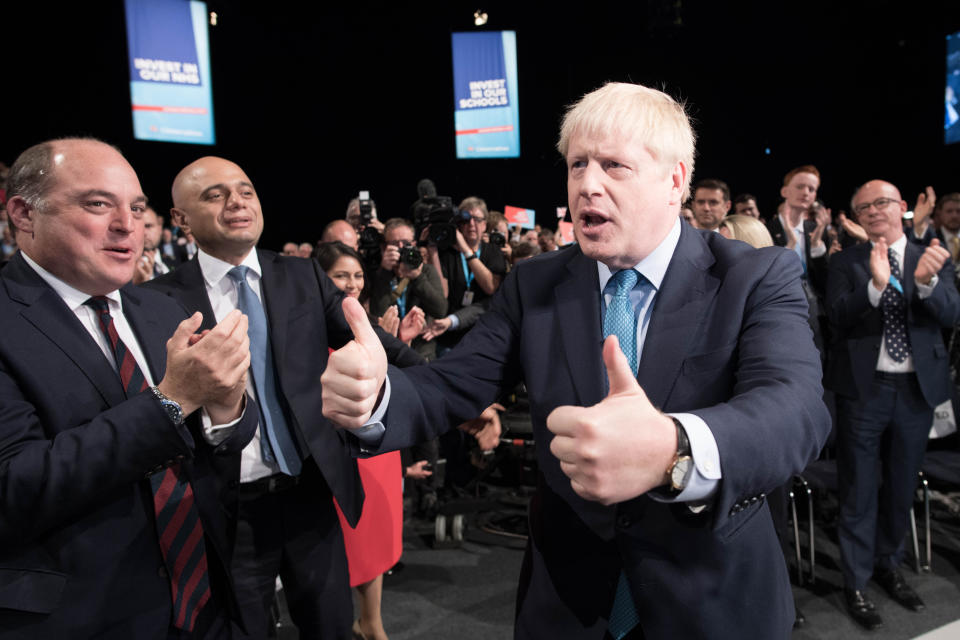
[
  {"x": 943, "y": 469},
  {"x": 822, "y": 475}
]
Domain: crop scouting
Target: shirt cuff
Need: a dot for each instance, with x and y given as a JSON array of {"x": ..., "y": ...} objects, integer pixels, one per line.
[
  {"x": 873, "y": 294},
  {"x": 214, "y": 434},
  {"x": 454, "y": 321},
  {"x": 371, "y": 434},
  {"x": 924, "y": 291},
  {"x": 819, "y": 250},
  {"x": 706, "y": 475}
]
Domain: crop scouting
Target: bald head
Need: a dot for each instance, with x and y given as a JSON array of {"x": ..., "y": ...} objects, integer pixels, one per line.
[
  {"x": 214, "y": 200},
  {"x": 341, "y": 231},
  {"x": 879, "y": 210}
]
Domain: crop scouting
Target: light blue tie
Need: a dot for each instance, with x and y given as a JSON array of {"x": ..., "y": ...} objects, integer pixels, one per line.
[
  {"x": 276, "y": 441},
  {"x": 621, "y": 321}
]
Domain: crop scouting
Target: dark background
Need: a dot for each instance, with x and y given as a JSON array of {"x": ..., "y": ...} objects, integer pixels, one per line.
[{"x": 317, "y": 103}]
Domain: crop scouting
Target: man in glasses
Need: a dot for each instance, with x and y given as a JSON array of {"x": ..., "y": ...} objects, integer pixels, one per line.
[
  {"x": 887, "y": 301},
  {"x": 471, "y": 270}
]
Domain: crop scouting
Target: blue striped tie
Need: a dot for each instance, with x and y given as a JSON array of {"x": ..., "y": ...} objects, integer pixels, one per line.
[{"x": 621, "y": 321}]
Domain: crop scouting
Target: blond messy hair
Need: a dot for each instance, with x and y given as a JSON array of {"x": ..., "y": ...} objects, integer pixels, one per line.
[{"x": 648, "y": 116}]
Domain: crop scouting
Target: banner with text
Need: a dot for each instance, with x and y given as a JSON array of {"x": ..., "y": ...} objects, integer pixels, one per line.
[
  {"x": 526, "y": 218},
  {"x": 170, "y": 71},
  {"x": 486, "y": 104}
]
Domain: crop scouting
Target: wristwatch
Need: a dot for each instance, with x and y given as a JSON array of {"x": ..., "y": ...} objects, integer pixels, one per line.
[
  {"x": 681, "y": 468},
  {"x": 171, "y": 407}
]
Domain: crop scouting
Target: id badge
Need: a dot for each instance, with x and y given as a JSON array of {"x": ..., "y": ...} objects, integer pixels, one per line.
[{"x": 467, "y": 298}]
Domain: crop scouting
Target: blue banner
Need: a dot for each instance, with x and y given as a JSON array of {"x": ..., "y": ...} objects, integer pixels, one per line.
[
  {"x": 170, "y": 86},
  {"x": 486, "y": 104}
]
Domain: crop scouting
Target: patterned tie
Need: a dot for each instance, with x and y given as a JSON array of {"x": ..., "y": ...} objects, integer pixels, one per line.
[
  {"x": 178, "y": 519},
  {"x": 955, "y": 248},
  {"x": 621, "y": 321},
  {"x": 894, "y": 311},
  {"x": 276, "y": 441}
]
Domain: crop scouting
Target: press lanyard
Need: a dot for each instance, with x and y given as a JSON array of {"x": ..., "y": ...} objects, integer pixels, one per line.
[{"x": 467, "y": 274}]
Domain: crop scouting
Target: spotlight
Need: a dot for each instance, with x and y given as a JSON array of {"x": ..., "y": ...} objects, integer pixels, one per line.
[{"x": 479, "y": 18}]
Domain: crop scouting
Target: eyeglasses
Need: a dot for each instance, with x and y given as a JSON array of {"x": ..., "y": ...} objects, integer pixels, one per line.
[{"x": 879, "y": 203}]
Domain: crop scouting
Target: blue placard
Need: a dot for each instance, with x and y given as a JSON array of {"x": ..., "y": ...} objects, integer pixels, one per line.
[
  {"x": 169, "y": 55},
  {"x": 951, "y": 102},
  {"x": 486, "y": 104}
]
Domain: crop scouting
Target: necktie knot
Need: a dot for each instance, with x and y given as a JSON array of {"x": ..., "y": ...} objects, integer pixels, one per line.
[
  {"x": 239, "y": 273},
  {"x": 98, "y": 304},
  {"x": 625, "y": 280}
]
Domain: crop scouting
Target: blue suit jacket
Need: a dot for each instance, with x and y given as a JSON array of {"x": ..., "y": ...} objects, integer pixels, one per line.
[
  {"x": 858, "y": 327},
  {"x": 729, "y": 341},
  {"x": 79, "y": 555}
]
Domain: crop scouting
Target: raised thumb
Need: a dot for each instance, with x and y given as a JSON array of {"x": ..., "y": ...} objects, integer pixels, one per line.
[
  {"x": 934, "y": 243},
  {"x": 182, "y": 336},
  {"x": 359, "y": 323},
  {"x": 621, "y": 378}
]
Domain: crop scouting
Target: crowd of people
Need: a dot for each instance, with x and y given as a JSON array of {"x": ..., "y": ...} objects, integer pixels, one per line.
[{"x": 398, "y": 331}]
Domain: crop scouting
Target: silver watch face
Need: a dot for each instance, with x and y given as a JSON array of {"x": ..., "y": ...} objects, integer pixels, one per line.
[{"x": 680, "y": 472}]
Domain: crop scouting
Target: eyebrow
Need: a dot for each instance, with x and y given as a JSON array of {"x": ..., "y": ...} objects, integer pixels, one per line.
[{"x": 223, "y": 186}]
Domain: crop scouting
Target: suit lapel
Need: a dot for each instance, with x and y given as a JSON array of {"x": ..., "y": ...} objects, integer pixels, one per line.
[
  {"x": 686, "y": 292},
  {"x": 146, "y": 328},
  {"x": 192, "y": 292},
  {"x": 578, "y": 314},
  {"x": 46, "y": 311},
  {"x": 911, "y": 256},
  {"x": 277, "y": 298}
]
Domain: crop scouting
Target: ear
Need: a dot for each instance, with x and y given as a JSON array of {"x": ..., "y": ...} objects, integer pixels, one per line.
[
  {"x": 726, "y": 209},
  {"x": 21, "y": 214},
  {"x": 783, "y": 192},
  {"x": 179, "y": 219},
  {"x": 678, "y": 179}
]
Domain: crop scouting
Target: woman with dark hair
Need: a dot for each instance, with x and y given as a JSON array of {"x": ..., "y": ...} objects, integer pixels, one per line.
[{"x": 376, "y": 543}]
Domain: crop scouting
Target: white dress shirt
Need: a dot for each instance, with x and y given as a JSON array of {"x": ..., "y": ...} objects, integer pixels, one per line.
[
  {"x": 884, "y": 361},
  {"x": 222, "y": 293}
]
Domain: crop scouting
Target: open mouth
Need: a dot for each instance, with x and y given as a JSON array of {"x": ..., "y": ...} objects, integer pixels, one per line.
[
  {"x": 592, "y": 220},
  {"x": 120, "y": 251}
]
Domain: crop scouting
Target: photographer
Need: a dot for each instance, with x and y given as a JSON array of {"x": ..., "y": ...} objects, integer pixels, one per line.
[
  {"x": 499, "y": 235},
  {"x": 470, "y": 269},
  {"x": 362, "y": 216},
  {"x": 404, "y": 280}
]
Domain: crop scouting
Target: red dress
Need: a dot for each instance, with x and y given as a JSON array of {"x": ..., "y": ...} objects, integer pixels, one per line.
[{"x": 377, "y": 542}]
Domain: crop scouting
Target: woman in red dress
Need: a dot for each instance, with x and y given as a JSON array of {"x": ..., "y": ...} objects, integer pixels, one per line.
[{"x": 376, "y": 543}]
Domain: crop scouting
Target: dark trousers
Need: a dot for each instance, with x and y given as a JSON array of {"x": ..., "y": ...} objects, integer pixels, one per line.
[
  {"x": 880, "y": 446},
  {"x": 293, "y": 533}
]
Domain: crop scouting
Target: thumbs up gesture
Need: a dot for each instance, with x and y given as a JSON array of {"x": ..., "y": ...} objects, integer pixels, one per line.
[
  {"x": 355, "y": 373},
  {"x": 618, "y": 449}
]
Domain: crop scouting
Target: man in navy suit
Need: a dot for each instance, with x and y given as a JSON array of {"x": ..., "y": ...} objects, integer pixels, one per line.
[
  {"x": 644, "y": 524},
  {"x": 287, "y": 524},
  {"x": 92, "y": 419},
  {"x": 887, "y": 301}
]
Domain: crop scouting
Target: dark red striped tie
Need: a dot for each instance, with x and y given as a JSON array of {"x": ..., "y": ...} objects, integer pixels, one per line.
[{"x": 178, "y": 519}]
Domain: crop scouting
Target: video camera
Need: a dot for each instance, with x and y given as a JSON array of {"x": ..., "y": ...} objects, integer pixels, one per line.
[{"x": 438, "y": 213}]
